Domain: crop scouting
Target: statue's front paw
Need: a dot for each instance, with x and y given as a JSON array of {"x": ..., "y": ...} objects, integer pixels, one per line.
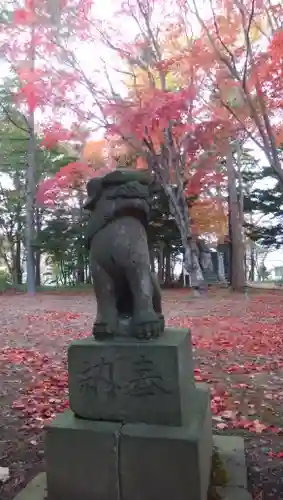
[
  {"x": 149, "y": 326},
  {"x": 102, "y": 330}
]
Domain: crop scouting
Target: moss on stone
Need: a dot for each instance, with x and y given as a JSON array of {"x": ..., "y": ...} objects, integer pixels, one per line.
[{"x": 219, "y": 476}]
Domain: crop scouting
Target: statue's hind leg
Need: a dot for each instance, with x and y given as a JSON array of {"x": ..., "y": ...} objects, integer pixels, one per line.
[
  {"x": 106, "y": 322},
  {"x": 145, "y": 322}
]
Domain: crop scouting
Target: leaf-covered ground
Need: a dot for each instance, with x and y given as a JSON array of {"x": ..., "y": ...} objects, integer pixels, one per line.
[{"x": 238, "y": 348}]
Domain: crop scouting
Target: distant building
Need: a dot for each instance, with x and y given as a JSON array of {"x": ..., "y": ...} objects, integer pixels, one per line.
[{"x": 277, "y": 272}]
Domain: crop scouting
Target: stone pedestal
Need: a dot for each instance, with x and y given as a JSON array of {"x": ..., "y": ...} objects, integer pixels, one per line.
[
  {"x": 99, "y": 460},
  {"x": 81, "y": 459},
  {"x": 129, "y": 381},
  {"x": 138, "y": 427},
  {"x": 162, "y": 462}
]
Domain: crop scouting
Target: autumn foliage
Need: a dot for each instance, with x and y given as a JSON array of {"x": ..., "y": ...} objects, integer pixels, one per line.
[
  {"x": 227, "y": 74},
  {"x": 62, "y": 187},
  {"x": 191, "y": 87}
]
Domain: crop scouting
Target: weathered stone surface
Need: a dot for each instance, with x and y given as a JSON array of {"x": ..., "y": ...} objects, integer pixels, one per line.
[
  {"x": 119, "y": 257},
  {"x": 234, "y": 493},
  {"x": 35, "y": 489},
  {"x": 81, "y": 459},
  {"x": 131, "y": 381},
  {"x": 159, "y": 462},
  {"x": 232, "y": 452},
  {"x": 99, "y": 460}
]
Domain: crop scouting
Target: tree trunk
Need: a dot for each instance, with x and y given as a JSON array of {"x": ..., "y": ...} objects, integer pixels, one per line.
[
  {"x": 167, "y": 258},
  {"x": 221, "y": 268},
  {"x": 18, "y": 236},
  {"x": 37, "y": 268},
  {"x": 37, "y": 251},
  {"x": 30, "y": 195},
  {"x": 237, "y": 261},
  {"x": 231, "y": 247},
  {"x": 80, "y": 274},
  {"x": 160, "y": 263},
  {"x": 80, "y": 269},
  {"x": 252, "y": 268},
  {"x": 87, "y": 273},
  {"x": 240, "y": 185},
  {"x": 240, "y": 191},
  {"x": 18, "y": 267},
  {"x": 63, "y": 273},
  {"x": 30, "y": 185},
  {"x": 180, "y": 212},
  {"x": 152, "y": 262},
  {"x": 162, "y": 165}
]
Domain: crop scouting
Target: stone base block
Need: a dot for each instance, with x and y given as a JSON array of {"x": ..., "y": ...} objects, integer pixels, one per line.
[
  {"x": 81, "y": 459},
  {"x": 159, "y": 462},
  {"x": 231, "y": 450},
  {"x": 110, "y": 461},
  {"x": 132, "y": 381}
]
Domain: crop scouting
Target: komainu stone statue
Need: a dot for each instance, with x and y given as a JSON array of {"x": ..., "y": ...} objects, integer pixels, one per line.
[{"x": 127, "y": 292}]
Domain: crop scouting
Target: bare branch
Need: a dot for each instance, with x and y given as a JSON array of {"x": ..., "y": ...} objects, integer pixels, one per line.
[
  {"x": 246, "y": 30},
  {"x": 226, "y": 48},
  {"x": 8, "y": 115}
]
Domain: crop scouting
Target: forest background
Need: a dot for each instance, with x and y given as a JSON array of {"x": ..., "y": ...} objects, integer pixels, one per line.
[{"x": 189, "y": 90}]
